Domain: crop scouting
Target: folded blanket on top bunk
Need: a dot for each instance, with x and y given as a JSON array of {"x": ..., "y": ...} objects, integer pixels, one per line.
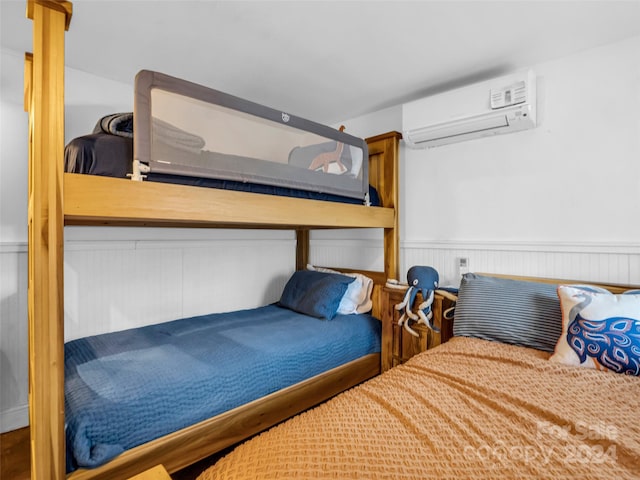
[
  {"x": 121, "y": 124},
  {"x": 125, "y": 388},
  {"x": 116, "y": 124}
]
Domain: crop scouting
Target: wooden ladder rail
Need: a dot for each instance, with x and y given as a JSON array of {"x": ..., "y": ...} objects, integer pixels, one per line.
[{"x": 44, "y": 100}]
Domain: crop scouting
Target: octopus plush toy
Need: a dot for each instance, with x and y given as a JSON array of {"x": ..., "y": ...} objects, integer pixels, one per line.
[{"x": 424, "y": 280}]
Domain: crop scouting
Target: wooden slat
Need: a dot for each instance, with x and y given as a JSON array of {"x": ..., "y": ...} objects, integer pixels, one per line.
[
  {"x": 28, "y": 78},
  {"x": 612, "y": 287},
  {"x": 45, "y": 283},
  {"x": 91, "y": 199}
]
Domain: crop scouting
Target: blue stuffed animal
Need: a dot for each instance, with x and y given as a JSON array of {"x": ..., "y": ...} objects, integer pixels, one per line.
[{"x": 424, "y": 280}]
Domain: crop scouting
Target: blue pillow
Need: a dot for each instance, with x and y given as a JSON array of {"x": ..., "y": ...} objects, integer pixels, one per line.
[
  {"x": 508, "y": 311},
  {"x": 317, "y": 294}
]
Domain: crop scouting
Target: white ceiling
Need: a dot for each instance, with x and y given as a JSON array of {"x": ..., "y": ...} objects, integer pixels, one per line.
[{"x": 327, "y": 60}]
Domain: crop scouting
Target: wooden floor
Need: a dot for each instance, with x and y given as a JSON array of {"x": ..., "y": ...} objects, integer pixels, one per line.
[
  {"x": 14, "y": 455},
  {"x": 15, "y": 464}
]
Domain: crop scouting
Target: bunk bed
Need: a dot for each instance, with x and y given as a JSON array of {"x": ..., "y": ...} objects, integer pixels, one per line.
[{"x": 57, "y": 199}]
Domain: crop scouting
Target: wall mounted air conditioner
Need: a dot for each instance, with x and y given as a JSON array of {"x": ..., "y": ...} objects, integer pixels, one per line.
[{"x": 500, "y": 105}]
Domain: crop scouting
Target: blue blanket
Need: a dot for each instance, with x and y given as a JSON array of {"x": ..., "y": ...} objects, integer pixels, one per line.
[{"x": 125, "y": 388}]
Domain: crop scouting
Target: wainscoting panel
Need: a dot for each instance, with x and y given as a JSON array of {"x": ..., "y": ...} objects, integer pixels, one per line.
[
  {"x": 115, "y": 287},
  {"x": 235, "y": 275},
  {"x": 130, "y": 284},
  {"x": 14, "y": 339},
  {"x": 608, "y": 263},
  {"x": 615, "y": 263}
]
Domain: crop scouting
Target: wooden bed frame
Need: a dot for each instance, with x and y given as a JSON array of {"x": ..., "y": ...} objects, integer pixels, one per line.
[
  {"x": 57, "y": 199},
  {"x": 615, "y": 288}
]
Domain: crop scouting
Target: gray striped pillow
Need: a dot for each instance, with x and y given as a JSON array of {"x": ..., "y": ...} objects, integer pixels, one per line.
[{"x": 508, "y": 311}]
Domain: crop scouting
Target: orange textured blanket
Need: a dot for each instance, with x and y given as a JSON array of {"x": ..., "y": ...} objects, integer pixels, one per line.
[{"x": 467, "y": 409}]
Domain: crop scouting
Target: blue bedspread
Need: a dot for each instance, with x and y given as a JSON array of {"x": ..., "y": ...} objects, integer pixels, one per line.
[{"x": 126, "y": 388}]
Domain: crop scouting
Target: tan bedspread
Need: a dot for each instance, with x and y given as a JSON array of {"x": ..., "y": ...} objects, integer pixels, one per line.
[{"x": 467, "y": 409}]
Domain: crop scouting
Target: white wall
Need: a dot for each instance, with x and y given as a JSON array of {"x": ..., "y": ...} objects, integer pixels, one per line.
[
  {"x": 13, "y": 231},
  {"x": 574, "y": 178},
  {"x": 559, "y": 201},
  {"x": 569, "y": 187},
  {"x": 13, "y": 149}
]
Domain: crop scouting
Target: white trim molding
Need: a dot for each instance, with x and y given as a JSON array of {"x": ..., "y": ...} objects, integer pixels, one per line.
[
  {"x": 13, "y": 247},
  {"x": 528, "y": 246}
]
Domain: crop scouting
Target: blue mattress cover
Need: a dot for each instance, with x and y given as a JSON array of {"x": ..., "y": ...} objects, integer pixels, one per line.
[{"x": 125, "y": 388}]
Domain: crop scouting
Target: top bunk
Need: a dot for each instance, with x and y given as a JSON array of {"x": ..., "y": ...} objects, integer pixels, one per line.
[
  {"x": 101, "y": 200},
  {"x": 200, "y": 156}
]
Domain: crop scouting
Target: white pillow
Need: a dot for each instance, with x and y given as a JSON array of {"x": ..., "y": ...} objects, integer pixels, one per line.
[
  {"x": 357, "y": 298},
  {"x": 599, "y": 329}
]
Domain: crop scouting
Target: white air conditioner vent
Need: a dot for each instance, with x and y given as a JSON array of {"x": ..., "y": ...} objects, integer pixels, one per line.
[{"x": 502, "y": 105}]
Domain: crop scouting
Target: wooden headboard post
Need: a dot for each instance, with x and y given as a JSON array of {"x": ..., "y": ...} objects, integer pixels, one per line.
[
  {"x": 44, "y": 98},
  {"x": 383, "y": 174},
  {"x": 302, "y": 248}
]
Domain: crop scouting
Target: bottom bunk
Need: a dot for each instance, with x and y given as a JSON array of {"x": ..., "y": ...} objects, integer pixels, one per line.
[{"x": 179, "y": 391}]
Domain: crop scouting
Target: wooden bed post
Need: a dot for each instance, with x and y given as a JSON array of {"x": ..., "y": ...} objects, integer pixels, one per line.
[
  {"x": 383, "y": 172},
  {"x": 302, "y": 248},
  {"x": 44, "y": 98}
]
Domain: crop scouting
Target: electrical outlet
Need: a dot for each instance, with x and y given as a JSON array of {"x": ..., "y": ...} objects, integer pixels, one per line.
[{"x": 463, "y": 265}]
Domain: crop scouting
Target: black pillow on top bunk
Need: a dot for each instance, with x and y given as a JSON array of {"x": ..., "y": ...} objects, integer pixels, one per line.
[{"x": 99, "y": 154}]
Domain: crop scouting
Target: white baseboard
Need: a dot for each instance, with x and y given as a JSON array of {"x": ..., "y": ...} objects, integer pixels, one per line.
[{"x": 14, "y": 418}]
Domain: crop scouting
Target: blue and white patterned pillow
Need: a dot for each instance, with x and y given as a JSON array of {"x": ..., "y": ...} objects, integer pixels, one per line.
[
  {"x": 599, "y": 329},
  {"x": 508, "y": 311}
]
